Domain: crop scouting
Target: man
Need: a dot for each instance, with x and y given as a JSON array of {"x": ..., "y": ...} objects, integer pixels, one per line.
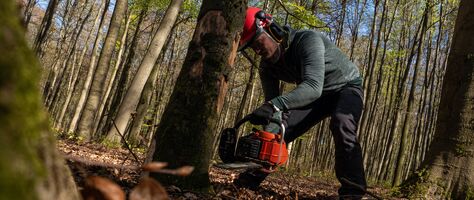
[{"x": 328, "y": 85}]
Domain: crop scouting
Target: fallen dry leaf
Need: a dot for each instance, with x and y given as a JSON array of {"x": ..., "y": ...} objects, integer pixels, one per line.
[
  {"x": 148, "y": 189},
  {"x": 98, "y": 188},
  {"x": 154, "y": 166}
]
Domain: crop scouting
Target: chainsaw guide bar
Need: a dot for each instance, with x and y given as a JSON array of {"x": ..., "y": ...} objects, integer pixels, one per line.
[{"x": 240, "y": 165}]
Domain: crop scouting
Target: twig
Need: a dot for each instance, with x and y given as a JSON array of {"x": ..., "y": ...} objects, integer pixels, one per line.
[
  {"x": 227, "y": 196},
  {"x": 252, "y": 61},
  {"x": 293, "y": 15},
  {"x": 126, "y": 144},
  {"x": 360, "y": 188}
]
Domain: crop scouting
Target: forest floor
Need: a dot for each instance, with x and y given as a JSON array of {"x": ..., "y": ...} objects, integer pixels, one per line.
[{"x": 120, "y": 166}]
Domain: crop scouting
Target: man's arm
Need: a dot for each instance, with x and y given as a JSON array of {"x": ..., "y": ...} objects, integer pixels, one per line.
[
  {"x": 310, "y": 50},
  {"x": 270, "y": 85}
]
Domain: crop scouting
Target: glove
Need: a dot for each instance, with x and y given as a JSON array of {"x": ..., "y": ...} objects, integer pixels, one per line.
[
  {"x": 273, "y": 127},
  {"x": 262, "y": 114}
]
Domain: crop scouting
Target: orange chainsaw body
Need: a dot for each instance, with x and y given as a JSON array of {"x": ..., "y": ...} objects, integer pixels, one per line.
[{"x": 272, "y": 150}]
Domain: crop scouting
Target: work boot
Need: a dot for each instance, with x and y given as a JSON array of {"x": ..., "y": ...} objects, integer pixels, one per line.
[{"x": 250, "y": 179}]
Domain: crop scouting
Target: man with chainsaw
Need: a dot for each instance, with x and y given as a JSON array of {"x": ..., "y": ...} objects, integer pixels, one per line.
[{"x": 328, "y": 85}]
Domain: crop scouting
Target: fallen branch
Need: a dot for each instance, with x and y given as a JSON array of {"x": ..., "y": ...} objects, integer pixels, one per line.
[{"x": 126, "y": 144}]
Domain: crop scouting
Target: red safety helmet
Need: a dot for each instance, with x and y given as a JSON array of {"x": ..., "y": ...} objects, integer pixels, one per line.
[{"x": 255, "y": 22}]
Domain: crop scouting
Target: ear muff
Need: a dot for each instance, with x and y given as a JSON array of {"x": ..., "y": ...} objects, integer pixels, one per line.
[
  {"x": 265, "y": 22},
  {"x": 276, "y": 32}
]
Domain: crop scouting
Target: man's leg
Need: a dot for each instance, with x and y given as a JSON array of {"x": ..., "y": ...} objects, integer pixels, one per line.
[{"x": 344, "y": 121}]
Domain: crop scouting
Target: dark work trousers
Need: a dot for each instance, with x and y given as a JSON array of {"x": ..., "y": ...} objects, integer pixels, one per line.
[{"x": 345, "y": 108}]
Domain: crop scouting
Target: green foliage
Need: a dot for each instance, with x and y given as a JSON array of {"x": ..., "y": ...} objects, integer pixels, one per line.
[
  {"x": 469, "y": 193},
  {"x": 111, "y": 144},
  {"x": 190, "y": 8},
  {"x": 461, "y": 148},
  {"x": 138, "y": 5},
  {"x": 304, "y": 17}
]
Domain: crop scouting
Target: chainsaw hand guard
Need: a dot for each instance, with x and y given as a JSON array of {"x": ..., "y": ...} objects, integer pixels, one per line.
[{"x": 227, "y": 145}]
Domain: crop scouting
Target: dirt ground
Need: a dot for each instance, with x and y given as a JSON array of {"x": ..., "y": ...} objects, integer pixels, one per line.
[{"x": 121, "y": 166}]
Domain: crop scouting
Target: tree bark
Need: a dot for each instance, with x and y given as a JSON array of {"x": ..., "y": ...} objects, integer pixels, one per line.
[
  {"x": 187, "y": 128},
  {"x": 31, "y": 168},
  {"x": 448, "y": 171}
]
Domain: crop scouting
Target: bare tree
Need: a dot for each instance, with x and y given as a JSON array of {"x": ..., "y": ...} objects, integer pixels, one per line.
[
  {"x": 86, "y": 123},
  {"x": 132, "y": 97}
]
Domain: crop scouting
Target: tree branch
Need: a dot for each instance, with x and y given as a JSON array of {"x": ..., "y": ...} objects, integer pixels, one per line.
[{"x": 293, "y": 15}]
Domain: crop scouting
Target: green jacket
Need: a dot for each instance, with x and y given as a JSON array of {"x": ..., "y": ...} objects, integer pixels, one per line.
[{"x": 311, "y": 61}]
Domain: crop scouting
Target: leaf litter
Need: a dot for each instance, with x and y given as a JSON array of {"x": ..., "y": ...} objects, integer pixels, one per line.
[{"x": 118, "y": 165}]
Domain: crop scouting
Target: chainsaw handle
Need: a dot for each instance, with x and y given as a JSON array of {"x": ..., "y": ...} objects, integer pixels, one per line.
[{"x": 247, "y": 118}]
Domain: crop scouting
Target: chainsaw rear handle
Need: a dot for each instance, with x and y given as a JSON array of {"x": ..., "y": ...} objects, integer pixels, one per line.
[{"x": 247, "y": 118}]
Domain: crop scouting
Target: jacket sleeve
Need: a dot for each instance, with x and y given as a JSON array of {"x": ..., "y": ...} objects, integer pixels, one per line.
[
  {"x": 310, "y": 52},
  {"x": 270, "y": 84}
]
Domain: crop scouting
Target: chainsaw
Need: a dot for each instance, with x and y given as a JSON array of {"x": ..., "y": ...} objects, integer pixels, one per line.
[{"x": 257, "y": 149}]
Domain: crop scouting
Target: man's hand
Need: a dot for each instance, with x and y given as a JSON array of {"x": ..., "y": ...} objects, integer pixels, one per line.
[{"x": 262, "y": 114}]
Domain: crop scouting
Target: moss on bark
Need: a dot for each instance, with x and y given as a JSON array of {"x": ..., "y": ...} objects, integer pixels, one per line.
[
  {"x": 188, "y": 127},
  {"x": 27, "y": 152}
]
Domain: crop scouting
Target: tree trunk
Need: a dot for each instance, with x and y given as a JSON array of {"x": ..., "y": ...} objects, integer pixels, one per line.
[
  {"x": 45, "y": 25},
  {"x": 75, "y": 76},
  {"x": 125, "y": 71},
  {"x": 410, "y": 105},
  {"x": 355, "y": 30},
  {"x": 107, "y": 96},
  {"x": 132, "y": 97},
  {"x": 90, "y": 72},
  {"x": 340, "y": 27},
  {"x": 86, "y": 124},
  {"x": 187, "y": 128},
  {"x": 246, "y": 96},
  {"x": 448, "y": 171},
  {"x": 28, "y": 12},
  {"x": 31, "y": 168}
]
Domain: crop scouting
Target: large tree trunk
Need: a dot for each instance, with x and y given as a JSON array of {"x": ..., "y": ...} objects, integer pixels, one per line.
[
  {"x": 86, "y": 124},
  {"x": 132, "y": 97},
  {"x": 31, "y": 168},
  {"x": 188, "y": 126},
  {"x": 448, "y": 170}
]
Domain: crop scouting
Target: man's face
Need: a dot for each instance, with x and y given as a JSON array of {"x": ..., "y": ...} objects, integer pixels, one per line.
[{"x": 266, "y": 47}]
